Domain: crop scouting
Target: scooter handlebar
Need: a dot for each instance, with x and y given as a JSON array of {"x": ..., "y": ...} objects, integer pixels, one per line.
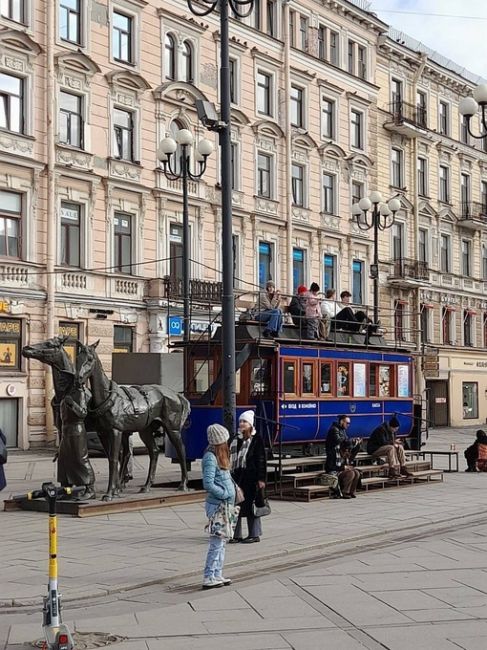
[{"x": 39, "y": 494}]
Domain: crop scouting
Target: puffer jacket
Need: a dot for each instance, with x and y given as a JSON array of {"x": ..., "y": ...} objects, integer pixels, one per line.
[{"x": 217, "y": 482}]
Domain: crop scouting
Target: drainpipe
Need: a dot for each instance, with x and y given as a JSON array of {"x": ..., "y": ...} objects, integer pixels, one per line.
[
  {"x": 51, "y": 209},
  {"x": 288, "y": 142}
]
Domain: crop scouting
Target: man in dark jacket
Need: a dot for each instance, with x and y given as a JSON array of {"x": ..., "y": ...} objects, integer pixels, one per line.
[
  {"x": 383, "y": 443},
  {"x": 337, "y": 434}
]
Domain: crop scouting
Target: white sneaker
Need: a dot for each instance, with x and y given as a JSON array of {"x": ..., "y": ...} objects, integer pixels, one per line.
[
  {"x": 225, "y": 581},
  {"x": 211, "y": 583}
]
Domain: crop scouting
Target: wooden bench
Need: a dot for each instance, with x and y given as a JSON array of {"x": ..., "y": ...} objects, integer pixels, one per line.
[
  {"x": 425, "y": 475},
  {"x": 299, "y": 477},
  {"x": 374, "y": 480},
  {"x": 308, "y": 491}
]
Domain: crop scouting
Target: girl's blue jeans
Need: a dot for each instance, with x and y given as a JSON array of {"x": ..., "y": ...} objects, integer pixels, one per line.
[{"x": 216, "y": 549}]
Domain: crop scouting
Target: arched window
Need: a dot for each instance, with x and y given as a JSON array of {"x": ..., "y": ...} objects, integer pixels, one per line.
[
  {"x": 170, "y": 57},
  {"x": 187, "y": 71}
]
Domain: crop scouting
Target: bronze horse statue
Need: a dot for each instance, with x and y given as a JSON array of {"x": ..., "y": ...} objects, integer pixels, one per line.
[{"x": 122, "y": 410}]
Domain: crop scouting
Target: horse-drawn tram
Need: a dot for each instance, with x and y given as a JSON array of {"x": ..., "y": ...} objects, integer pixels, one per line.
[{"x": 298, "y": 387}]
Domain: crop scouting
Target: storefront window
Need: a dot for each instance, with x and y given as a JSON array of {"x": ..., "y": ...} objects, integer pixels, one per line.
[
  {"x": 72, "y": 331},
  {"x": 325, "y": 379},
  {"x": 384, "y": 381},
  {"x": 10, "y": 344},
  {"x": 470, "y": 400},
  {"x": 343, "y": 379}
]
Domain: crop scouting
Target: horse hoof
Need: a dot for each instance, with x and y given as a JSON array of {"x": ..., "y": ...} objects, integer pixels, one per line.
[
  {"x": 183, "y": 488},
  {"x": 107, "y": 497},
  {"x": 144, "y": 490}
]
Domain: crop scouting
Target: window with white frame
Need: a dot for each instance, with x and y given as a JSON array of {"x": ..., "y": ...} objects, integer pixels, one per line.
[
  {"x": 264, "y": 92},
  {"x": 234, "y": 152},
  {"x": 299, "y": 268},
  {"x": 12, "y": 105},
  {"x": 10, "y": 224},
  {"x": 328, "y": 118},
  {"x": 484, "y": 261},
  {"x": 397, "y": 241},
  {"x": 234, "y": 81},
  {"x": 448, "y": 325},
  {"x": 13, "y": 10},
  {"x": 256, "y": 14},
  {"x": 465, "y": 194},
  {"x": 357, "y": 191},
  {"x": 303, "y": 33},
  {"x": 292, "y": 28},
  {"x": 70, "y": 20},
  {"x": 123, "y": 242},
  {"x": 444, "y": 118},
  {"x": 330, "y": 271},
  {"x": 421, "y": 108},
  {"x": 322, "y": 45},
  {"x": 265, "y": 262},
  {"x": 271, "y": 18},
  {"x": 468, "y": 321},
  {"x": 358, "y": 282},
  {"x": 351, "y": 56},
  {"x": 397, "y": 167},
  {"x": 425, "y": 318},
  {"x": 445, "y": 253},
  {"x": 483, "y": 196},
  {"x": 357, "y": 129},
  {"x": 423, "y": 248},
  {"x": 297, "y": 106},
  {"x": 334, "y": 48},
  {"x": 187, "y": 72},
  {"x": 122, "y": 37},
  {"x": 362, "y": 61},
  {"x": 464, "y": 134},
  {"x": 466, "y": 257},
  {"x": 123, "y": 134},
  {"x": 265, "y": 175},
  {"x": 71, "y": 234},
  {"x": 329, "y": 193},
  {"x": 71, "y": 127},
  {"x": 297, "y": 182},
  {"x": 176, "y": 252},
  {"x": 400, "y": 320},
  {"x": 396, "y": 95},
  {"x": 422, "y": 176},
  {"x": 236, "y": 260},
  {"x": 170, "y": 56},
  {"x": 444, "y": 184}
]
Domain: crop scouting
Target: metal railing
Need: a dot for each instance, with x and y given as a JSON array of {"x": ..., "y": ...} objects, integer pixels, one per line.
[
  {"x": 200, "y": 290},
  {"x": 402, "y": 111},
  {"x": 410, "y": 269},
  {"x": 472, "y": 210}
]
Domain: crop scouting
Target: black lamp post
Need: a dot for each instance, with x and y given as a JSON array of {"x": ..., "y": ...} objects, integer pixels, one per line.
[
  {"x": 240, "y": 8},
  {"x": 167, "y": 147},
  {"x": 469, "y": 107},
  {"x": 371, "y": 213}
]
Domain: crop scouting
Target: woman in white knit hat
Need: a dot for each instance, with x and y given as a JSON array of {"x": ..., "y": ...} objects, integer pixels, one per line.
[
  {"x": 219, "y": 486},
  {"x": 247, "y": 453}
]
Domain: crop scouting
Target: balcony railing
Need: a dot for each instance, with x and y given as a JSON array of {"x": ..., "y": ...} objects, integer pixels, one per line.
[
  {"x": 408, "y": 269},
  {"x": 410, "y": 113},
  {"x": 472, "y": 210},
  {"x": 199, "y": 291}
]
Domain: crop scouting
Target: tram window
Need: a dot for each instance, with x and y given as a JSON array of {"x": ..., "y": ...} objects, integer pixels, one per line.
[
  {"x": 202, "y": 375},
  {"x": 384, "y": 381},
  {"x": 260, "y": 376},
  {"x": 343, "y": 379},
  {"x": 359, "y": 380},
  {"x": 325, "y": 386},
  {"x": 403, "y": 383},
  {"x": 373, "y": 380},
  {"x": 307, "y": 378},
  {"x": 289, "y": 377}
]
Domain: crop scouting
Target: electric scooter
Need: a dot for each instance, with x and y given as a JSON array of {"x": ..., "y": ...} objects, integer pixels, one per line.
[{"x": 57, "y": 635}]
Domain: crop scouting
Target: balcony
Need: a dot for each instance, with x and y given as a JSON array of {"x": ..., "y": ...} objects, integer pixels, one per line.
[
  {"x": 408, "y": 273},
  {"x": 472, "y": 215},
  {"x": 200, "y": 291},
  {"x": 406, "y": 119}
]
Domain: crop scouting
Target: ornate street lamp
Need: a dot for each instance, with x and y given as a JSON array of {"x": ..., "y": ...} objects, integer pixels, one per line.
[
  {"x": 240, "y": 9},
  {"x": 372, "y": 213},
  {"x": 181, "y": 170},
  {"x": 469, "y": 107}
]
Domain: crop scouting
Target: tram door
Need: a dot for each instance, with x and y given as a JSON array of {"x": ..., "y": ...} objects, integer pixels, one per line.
[{"x": 437, "y": 403}]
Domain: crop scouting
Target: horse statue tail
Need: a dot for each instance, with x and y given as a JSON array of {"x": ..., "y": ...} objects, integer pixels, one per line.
[{"x": 185, "y": 409}]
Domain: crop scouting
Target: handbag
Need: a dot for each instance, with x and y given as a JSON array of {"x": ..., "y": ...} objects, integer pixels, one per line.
[
  {"x": 264, "y": 508},
  {"x": 223, "y": 522},
  {"x": 239, "y": 494}
]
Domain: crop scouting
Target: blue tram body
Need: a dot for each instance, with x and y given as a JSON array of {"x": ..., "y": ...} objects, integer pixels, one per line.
[{"x": 298, "y": 389}]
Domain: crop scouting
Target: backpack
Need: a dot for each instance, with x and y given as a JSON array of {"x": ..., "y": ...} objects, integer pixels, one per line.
[{"x": 3, "y": 452}]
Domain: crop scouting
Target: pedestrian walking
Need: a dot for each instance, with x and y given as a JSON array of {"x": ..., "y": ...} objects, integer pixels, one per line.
[
  {"x": 3, "y": 460},
  {"x": 247, "y": 453},
  {"x": 217, "y": 482}
]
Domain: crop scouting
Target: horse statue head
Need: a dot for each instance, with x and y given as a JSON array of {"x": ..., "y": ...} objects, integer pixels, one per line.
[{"x": 52, "y": 353}]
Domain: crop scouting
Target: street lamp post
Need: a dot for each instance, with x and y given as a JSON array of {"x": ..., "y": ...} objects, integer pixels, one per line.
[
  {"x": 241, "y": 9},
  {"x": 372, "y": 213},
  {"x": 469, "y": 107},
  {"x": 167, "y": 147}
]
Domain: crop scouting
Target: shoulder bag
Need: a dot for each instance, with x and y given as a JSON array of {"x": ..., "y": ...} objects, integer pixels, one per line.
[{"x": 264, "y": 508}]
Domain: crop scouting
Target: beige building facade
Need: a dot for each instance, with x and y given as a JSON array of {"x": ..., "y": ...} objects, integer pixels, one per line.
[{"x": 91, "y": 228}]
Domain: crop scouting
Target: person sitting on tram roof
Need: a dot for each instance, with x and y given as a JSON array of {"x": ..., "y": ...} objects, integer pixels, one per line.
[
  {"x": 297, "y": 307},
  {"x": 313, "y": 312},
  {"x": 268, "y": 311}
]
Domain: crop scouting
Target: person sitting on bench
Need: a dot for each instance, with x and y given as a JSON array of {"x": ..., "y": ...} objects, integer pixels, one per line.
[
  {"x": 384, "y": 444},
  {"x": 472, "y": 453}
]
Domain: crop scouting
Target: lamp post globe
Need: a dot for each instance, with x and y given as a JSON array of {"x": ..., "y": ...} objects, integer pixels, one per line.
[
  {"x": 468, "y": 106},
  {"x": 205, "y": 148},
  {"x": 365, "y": 204},
  {"x": 480, "y": 94},
  {"x": 167, "y": 147},
  {"x": 375, "y": 197},
  {"x": 184, "y": 137},
  {"x": 394, "y": 205}
]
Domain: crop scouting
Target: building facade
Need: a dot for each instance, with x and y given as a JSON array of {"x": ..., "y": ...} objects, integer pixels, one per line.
[{"x": 91, "y": 228}]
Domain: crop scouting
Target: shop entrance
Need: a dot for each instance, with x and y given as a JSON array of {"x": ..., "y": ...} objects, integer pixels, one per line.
[
  {"x": 438, "y": 403},
  {"x": 9, "y": 420}
]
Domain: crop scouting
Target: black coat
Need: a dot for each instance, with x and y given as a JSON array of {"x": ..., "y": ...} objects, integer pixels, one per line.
[
  {"x": 334, "y": 438},
  {"x": 297, "y": 308},
  {"x": 254, "y": 471},
  {"x": 380, "y": 437}
]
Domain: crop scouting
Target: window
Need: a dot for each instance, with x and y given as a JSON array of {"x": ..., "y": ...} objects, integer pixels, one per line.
[
  {"x": 470, "y": 391},
  {"x": 343, "y": 379},
  {"x": 351, "y": 57},
  {"x": 444, "y": 184},
  {"x": 373, "y": 388},
  {"x": 170, "y": 57},
  {"x": 357, "y": 128},
  {"x": 357, "y": 191},
  {"x": 236, "y": 259},
  {"x": 303, "y": 33},
  {"x": 483, "y": 196},
  {"x": 187, "y": 71},
  {"x": 465, "y": 194},
  {"x": 123, "y": 338},
  {"x": 362, "y": 62},
  {"x": 13, "y": 10},
  {"x": 297, "y": 106},
  {"x": 334, "y": 48},
  {"x": 322, "y": 43},
  {"x": 485, "y": 329},
  {"x": 202, "y": 376},
  {"x": 397, "y": 241},
  {"x": 176, "y": 252},
  {"x": 292, "y": 28},
  {"x": 445, "y": 253},
  {"x": 330, "y": 268},
  {"x": 444, "y": 118},
  {"x": 425, "y": 324},
  {"x": 72, "y": 331},
  {"x": 10, "y": 343},
  {"x": 235, "y": 165},
  {"x": 70, "y": 119},
  {"x": 123, "y": 132},
  {"x": 123, "y": 242},
  {"x": 329, "y": 192},
  {"x": 174, "y": 127},
  {"x": 423, "y": 246},
  {"x": 421, "y": 108},
  {"x": 264, "y": 176},
  {"x": 397, "y": 167},
  {"x": 70, "y": 234},
  {"x": 271, "y": 18},
  {"x": 399, "y": 318},
  {"x": 264, "y": 93},
  {"x": 256, "y": 14},
  {"x": 69, "y": 20},
  {"x": 385, "y": 381},
  {"x": 297, "y": 173},
  {"x": 289, "y": 375},
  {"x": 422, "y": 177},
  {"x": 396, "y": 95},
  {"x": 467, "y": 328},
  {"x": 447, "y": 325},
  {"x": 328, "y": 108},
  {"x": 325, "y": 379},
  {"x": 466, "y": 257},
  {"x": 11, "y": 103},
  {"x": 359, "y": 383},
  {"x": 484, "y": 262},
  {"x": 265, "y": 262},
  {"x": 233, "y": 81},
  {"x": 464, "y": 134},
  {"x": 122, "y": 37},
  {"x": 299, "y": 259},
  {"x": 10, "y": 224},
  {"x": 260, "y": 377},
  {"x": 307, "y": 378},
  {"x": 357, "y": 282}
]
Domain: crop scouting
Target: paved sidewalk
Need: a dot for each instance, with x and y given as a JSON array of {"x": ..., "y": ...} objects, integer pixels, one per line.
[{"x": 107, "y": 554}]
